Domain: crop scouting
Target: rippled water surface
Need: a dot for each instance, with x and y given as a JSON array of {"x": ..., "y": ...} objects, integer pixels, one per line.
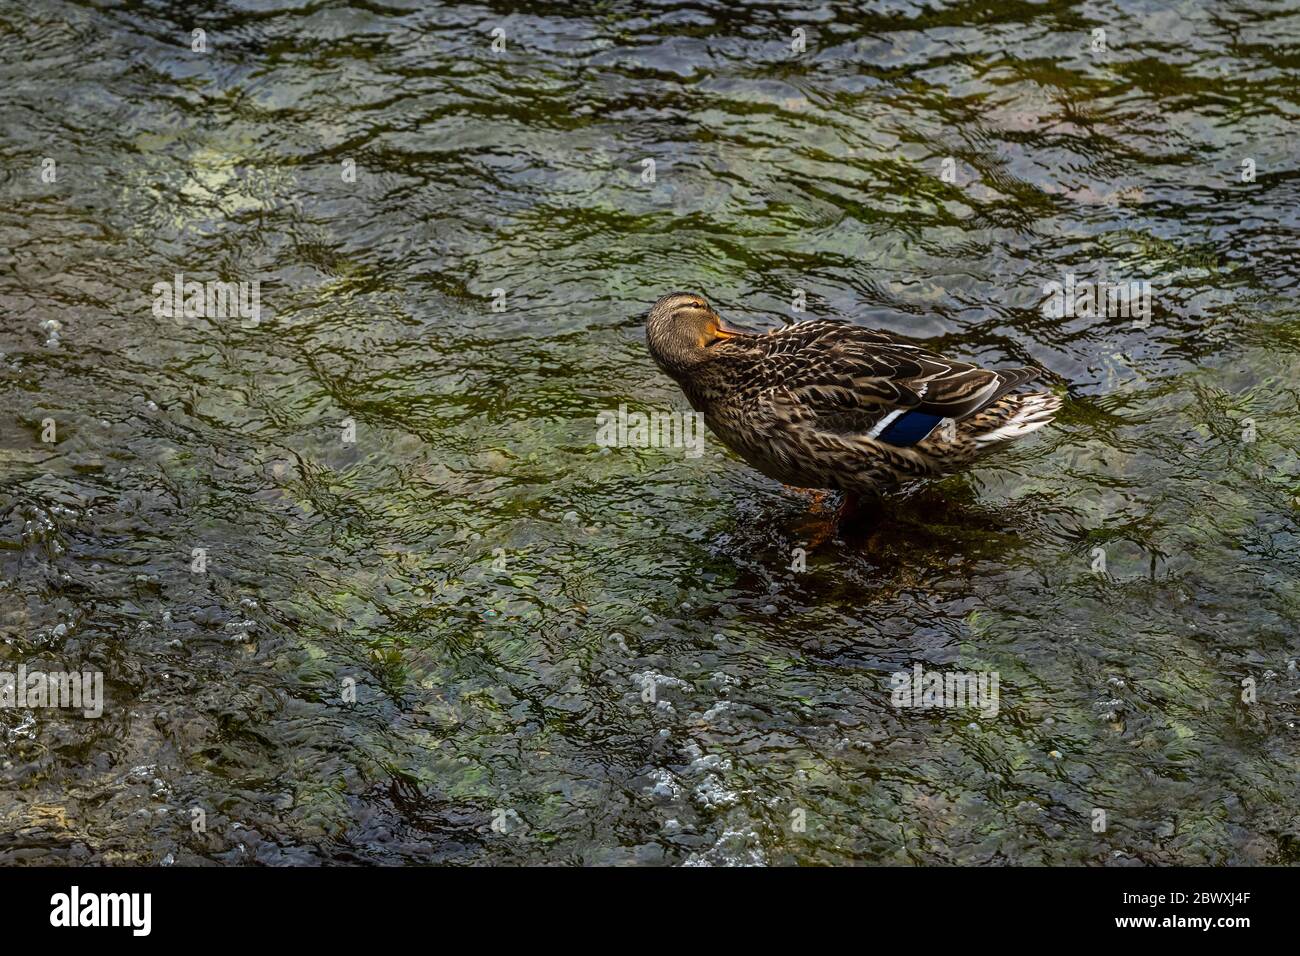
[{"x": 501, "y": 589}]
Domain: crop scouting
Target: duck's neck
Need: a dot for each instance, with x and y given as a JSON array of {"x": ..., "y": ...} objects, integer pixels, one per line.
[{"x": 697, "y": 388}]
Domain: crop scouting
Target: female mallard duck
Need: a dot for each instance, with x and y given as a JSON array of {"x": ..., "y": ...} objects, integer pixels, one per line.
[{"x": 830, "y": 405}]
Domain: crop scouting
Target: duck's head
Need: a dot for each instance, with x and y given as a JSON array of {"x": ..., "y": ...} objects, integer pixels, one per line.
[{"x": 681, "y": 328}]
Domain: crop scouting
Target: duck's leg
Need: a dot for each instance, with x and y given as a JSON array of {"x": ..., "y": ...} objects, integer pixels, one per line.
[
  {"x": 855, "y": 514},
  {"x": 813, "y": 529},
  {"x": 816, "y": 497}
]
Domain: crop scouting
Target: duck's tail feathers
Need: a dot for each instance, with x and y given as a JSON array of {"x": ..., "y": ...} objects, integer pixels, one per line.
[{"x": 1022, "y": 414}]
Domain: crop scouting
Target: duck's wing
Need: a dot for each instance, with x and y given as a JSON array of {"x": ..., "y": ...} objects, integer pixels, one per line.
[{"x": 834, "y": 377}]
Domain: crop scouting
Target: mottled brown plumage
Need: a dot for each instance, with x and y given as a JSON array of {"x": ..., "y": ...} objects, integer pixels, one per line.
[{"x": 830, "y": 405}]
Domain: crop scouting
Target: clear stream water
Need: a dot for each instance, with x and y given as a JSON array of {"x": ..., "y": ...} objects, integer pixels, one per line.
[{"x": 501, "y": 589}]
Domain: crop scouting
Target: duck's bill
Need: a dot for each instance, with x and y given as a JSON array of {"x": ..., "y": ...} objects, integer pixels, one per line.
[{"x": 728, "y": 331}]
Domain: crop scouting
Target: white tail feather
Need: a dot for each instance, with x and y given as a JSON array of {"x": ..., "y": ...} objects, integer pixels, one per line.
[{"x": 1035, "y": 411}]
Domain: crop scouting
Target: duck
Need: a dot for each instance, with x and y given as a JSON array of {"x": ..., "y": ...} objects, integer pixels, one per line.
[{"x": 829, "y": 405}]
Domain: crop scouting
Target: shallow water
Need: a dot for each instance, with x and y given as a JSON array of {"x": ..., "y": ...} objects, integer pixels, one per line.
[{"x": 502, "y": 590}]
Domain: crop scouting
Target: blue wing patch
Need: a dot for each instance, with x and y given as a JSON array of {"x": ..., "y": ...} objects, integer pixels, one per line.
[{"x": 909, "y": 428}]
